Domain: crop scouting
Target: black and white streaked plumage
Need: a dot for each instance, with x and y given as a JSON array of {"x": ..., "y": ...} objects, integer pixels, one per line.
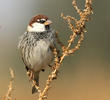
[{"x": 35, "y": 46}]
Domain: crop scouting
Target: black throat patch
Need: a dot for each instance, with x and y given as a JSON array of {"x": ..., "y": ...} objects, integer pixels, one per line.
[{"x": 47, "y": 27}]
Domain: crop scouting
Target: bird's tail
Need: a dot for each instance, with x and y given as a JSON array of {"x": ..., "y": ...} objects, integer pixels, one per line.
[{"x": 36, "y": 79}]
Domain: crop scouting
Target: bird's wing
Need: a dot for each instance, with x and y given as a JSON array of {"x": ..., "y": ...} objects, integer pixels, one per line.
[{"x": 22, "y": 46}]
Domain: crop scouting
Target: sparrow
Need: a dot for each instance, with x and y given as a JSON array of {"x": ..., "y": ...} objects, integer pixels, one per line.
[{"x": 36, "y": 45}]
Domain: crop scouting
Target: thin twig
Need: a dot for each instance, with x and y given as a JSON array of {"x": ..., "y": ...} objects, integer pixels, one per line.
[{"x": 10, "y": 87}]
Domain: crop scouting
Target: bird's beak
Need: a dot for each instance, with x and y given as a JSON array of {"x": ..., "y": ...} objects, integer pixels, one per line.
[{"x": 48, "y": 22}]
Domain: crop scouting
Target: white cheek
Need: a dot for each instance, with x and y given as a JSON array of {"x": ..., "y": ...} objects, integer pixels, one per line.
[{"x": 36, "y": 27}]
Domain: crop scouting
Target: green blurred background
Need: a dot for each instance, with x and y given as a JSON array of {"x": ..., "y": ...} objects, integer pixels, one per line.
[{"x": 83, "y": 76}]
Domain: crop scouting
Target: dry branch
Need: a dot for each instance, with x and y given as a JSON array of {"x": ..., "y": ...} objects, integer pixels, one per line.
[
  {"x": 77, "y": 30},
  {"x": 10, "y": 87}
]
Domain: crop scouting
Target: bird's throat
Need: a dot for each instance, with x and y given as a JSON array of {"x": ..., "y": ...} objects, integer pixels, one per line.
[{"x": 47, "y": 27}]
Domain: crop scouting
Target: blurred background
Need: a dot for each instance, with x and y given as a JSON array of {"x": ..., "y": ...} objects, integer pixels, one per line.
[{"x": 83, "y": 76}]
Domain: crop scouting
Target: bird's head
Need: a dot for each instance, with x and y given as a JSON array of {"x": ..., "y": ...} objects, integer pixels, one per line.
[{"x": 39, "y": 23}]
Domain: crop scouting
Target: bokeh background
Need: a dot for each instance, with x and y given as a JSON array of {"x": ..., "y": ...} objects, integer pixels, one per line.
[{"x": 83, "y": 76}]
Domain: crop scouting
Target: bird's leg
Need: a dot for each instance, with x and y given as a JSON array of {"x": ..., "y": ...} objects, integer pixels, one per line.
[
  {"x": 30, "y": 73},
  {"x": 27, "y": 69}
]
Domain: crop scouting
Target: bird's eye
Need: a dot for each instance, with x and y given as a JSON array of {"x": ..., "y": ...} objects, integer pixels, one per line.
[{"x": 42, "y": 20}]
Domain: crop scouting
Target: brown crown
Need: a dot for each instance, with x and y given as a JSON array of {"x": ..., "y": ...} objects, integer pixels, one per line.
[{"x": 35, "y": 18}]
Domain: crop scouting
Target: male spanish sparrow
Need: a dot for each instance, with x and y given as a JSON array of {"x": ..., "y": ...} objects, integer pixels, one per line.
[{"x": 36, "y": 45}]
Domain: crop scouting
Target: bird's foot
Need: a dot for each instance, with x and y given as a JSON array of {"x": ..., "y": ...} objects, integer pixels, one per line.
[{"x": 31, "y": 74}]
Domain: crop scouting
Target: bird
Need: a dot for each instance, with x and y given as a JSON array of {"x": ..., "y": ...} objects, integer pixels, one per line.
[{"x": 36, "y": 46}]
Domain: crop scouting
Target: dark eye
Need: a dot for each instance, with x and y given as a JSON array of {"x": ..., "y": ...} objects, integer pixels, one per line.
[{"x": 42, "y": 20}]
